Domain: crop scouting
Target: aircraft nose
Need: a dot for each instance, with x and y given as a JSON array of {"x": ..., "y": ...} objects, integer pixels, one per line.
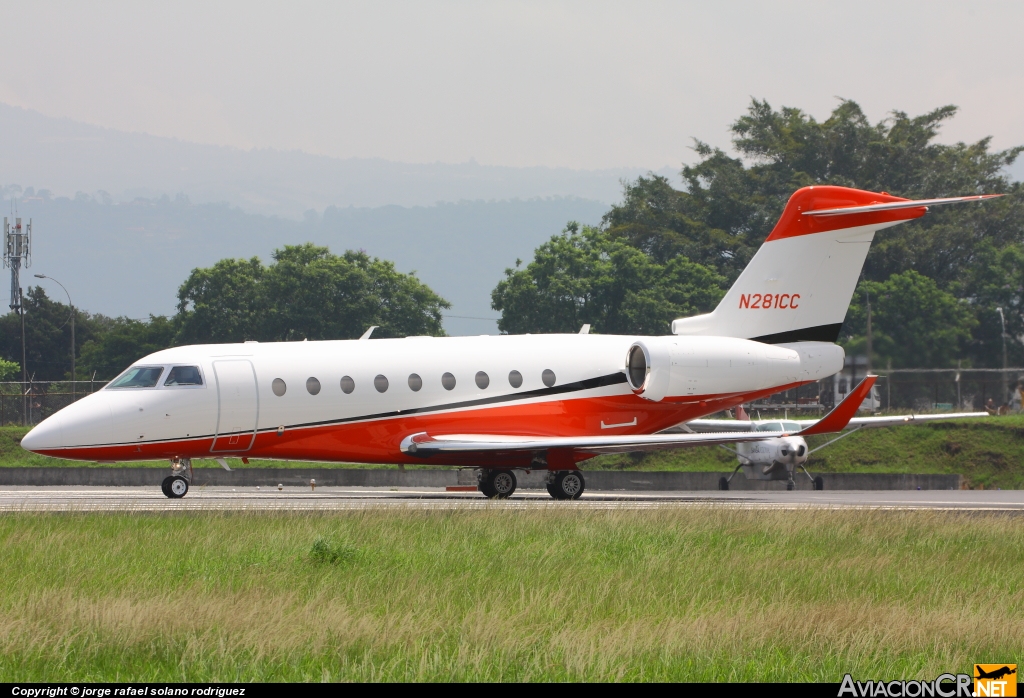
[
  {"x": 794, "y": 449},
  {"x": 45, "y": 436}
]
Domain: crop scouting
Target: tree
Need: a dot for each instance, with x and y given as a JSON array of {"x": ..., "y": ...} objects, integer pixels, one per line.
[
  {"x": 47, "y": 335},
  {"x": 124, "y": 342},
  {"x": 587, "y": 276},
  {"x": 9, "y": 370},
  {"x": 306, "y": 293},
  {"x": 222, "y": 303},
  {"x": 727, "y": 208},
  {"x": 914, "y": 323},
  {"x": 728, "y": 205}
]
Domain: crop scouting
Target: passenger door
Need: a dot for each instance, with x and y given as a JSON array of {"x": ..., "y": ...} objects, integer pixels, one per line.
[{"x": 237, "y": 404}]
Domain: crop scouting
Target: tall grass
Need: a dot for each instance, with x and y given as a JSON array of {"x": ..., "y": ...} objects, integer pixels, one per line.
[{"x": 499, "y": 594}]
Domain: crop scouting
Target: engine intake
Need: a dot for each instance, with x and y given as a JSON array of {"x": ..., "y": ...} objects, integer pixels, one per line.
[{"x": 649, "y": 370}]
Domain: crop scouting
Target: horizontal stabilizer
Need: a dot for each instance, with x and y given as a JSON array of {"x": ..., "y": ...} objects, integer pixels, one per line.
[{"x": 894, "y": 205}]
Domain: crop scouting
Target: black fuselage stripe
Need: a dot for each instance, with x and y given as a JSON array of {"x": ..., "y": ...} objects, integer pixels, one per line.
[{"x": 820, "y": 333}]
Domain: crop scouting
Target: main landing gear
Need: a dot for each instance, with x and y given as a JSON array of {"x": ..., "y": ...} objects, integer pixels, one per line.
[
  {"x": 500, "y": 484},
  {"x": 494, "y": 483},
  {"x": 177, "y": 483},
  {"x": 566, "y": 484}
]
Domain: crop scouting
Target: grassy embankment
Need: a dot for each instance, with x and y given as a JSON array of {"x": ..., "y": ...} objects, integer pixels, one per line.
[
  {"x": 554, "y": 593},
  {"x": 987, "y": 452}
]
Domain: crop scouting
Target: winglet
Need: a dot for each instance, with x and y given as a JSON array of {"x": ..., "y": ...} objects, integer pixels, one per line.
[
  {"x": 841, "y": 414},
  {"x": 366, "y": 335}
]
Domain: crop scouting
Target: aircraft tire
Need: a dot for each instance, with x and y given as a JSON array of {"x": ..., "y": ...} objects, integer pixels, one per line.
[
  {"x": 499, "y": 484},
  {"x": 819, "y": 484},
  {"x": 165, "y": 486},
  {"x": 723, "y": 484},
  {"x": 177, "y": 487},
  {"x": 568, "y": 484},
  {"x": 790, "y": 485}
]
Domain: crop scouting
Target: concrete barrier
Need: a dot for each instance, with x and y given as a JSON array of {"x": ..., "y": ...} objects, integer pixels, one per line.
[{"x": 597, "y": 480}]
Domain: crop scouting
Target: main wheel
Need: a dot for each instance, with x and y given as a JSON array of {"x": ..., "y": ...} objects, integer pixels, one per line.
[
  {"x": 568, "y": 484},
  {"x": 819, "y": 484},
  {"x": 165, "y": 486},
  {"x": 498, "y": 483},
  {"x": 723, "y": 484},
  {"x": 177, "y": 487}
]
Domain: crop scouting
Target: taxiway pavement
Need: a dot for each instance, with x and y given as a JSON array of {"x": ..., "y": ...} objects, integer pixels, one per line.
[{"x": 144, "y": 499}]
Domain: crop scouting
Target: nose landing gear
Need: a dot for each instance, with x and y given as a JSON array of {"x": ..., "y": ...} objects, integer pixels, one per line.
[{"x": 175, "y": 485}]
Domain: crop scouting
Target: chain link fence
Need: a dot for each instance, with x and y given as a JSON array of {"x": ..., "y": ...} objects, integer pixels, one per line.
[
  {"x": 32, "y": 402},
  {"x": 910, "y": 390}
]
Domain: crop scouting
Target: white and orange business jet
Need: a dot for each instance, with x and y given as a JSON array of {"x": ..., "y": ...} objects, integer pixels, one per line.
[{"x": 502, "y": 403}]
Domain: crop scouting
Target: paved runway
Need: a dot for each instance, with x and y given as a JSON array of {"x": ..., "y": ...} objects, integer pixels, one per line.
[{"x": 340, "y": 498}]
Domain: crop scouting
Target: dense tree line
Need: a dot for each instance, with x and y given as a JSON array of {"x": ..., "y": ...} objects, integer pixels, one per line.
[{"x": 934, "y": 284}]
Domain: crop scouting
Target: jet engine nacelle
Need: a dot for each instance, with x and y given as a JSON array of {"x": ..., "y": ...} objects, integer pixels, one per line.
[{"x": 659, "y": 367}]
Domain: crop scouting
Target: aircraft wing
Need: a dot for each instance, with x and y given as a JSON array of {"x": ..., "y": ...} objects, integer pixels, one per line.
[
  {"x": 889, "y": 421},
  {"x": 716, "y": 425},
  {"x": 424, "y": 445},
  {"x": 894, "y": 420}
]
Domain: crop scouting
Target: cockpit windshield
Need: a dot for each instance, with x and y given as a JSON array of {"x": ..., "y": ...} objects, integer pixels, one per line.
[
  {"x": 138, "y": 377},
  {"x": 184, "y": 375}
]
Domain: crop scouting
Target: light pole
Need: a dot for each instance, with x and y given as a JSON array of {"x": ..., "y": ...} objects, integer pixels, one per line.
[
  {"x": 71, "y": 317},
  {"x": 1002, "y": 322}
]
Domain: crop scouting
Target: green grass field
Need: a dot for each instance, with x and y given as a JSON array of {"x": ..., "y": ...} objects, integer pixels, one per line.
[
  {"x": 988, "y": 453},
  {"x": 552, "y": 593}
]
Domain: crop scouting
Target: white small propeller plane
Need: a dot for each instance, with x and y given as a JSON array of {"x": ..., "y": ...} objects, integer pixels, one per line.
[
  {"x": 778, "y": 457},
  {"x": 502, "y": 403}
]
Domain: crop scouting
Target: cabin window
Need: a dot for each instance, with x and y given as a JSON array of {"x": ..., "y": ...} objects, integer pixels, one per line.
[
  {"x": 515, "y": 379},
  {"x": 381, "y": 384},
  {"x": 279, "y": 387},
  {"x": 312, "y": 386},
  {"x": 548, "y": 377},
  {"x": 138, "y": 377},
  {"x": 415, "y": 382},
  {"x": 448, "y": 381},
  {"x": 347, "y": 385},
  {"x": 184, "y": 375},
  {"x": 482, "y": 380}
]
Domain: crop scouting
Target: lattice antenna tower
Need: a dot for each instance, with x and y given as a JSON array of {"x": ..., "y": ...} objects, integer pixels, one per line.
[{"x": 17, "y": 254}]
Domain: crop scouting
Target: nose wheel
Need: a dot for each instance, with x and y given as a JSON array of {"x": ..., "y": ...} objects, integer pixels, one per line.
[{"x": 175, "y": 485}]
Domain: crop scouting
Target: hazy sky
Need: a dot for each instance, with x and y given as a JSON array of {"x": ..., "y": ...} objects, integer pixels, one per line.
[{"x": 584, "y": 85}]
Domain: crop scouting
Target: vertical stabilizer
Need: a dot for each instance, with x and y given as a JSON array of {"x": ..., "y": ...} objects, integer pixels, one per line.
[{"x": 798, "y": 286}]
